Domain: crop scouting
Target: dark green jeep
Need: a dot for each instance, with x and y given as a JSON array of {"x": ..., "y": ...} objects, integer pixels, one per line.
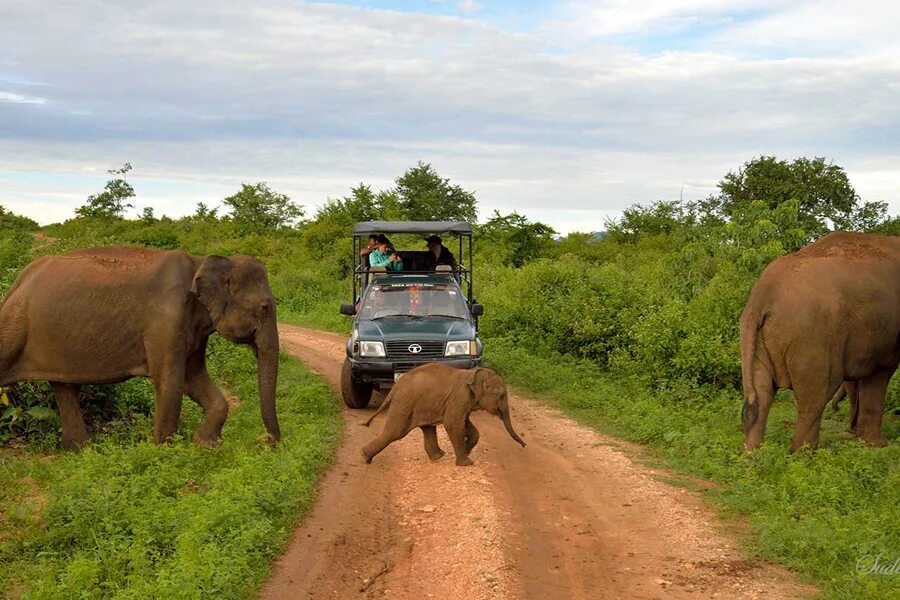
[{"x": 403, "y": 319}]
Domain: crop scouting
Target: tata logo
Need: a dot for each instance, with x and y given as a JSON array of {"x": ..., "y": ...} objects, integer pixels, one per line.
[{"x": 414, "y": 348}]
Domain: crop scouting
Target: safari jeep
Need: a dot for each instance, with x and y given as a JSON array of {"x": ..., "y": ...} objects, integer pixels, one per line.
[{"x": 403, "y": 319}]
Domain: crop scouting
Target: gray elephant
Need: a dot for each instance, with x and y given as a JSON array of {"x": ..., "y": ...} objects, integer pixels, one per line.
[
  {"x": 825, "y": 314},
  {"x": 104, "y": 315},
  {"x": 437, "y": 393}
]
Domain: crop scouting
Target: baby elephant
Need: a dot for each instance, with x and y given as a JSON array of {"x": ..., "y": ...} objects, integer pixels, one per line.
[{"x": 436, "y": 393}]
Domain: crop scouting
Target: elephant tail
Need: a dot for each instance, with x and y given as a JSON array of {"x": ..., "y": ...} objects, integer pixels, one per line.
[
  {"x": 384, "y": 406},
  {"x": 751, "y": 322},
  {"x": 839, "y": 396}
]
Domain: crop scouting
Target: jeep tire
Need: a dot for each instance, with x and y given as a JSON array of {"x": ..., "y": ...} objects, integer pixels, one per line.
[{"x": 356, "y": 394}]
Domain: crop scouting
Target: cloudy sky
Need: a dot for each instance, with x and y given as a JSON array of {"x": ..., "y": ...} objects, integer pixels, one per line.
[{"x": 565, "y": 111}]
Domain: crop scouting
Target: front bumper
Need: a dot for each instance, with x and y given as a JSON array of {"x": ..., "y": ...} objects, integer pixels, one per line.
[{"x": 381, "y": 371}]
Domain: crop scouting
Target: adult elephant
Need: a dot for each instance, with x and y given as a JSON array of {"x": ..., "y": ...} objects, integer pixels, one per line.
[
  {"x": 826, "y": 314},
  {"x": 104, "y": 315}
]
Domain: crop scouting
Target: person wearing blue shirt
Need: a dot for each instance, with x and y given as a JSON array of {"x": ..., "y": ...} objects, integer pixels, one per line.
[{"x": 385, "y": 256}]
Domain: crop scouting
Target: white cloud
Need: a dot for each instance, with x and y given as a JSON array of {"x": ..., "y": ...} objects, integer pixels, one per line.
[
  {"x": 315, "y": 98},
  {"x": 21, "y": 98},
  {"x": 468, "y": 7}
]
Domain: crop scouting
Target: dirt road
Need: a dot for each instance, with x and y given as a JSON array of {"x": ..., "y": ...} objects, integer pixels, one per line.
[{"x": 570, "y": 516}]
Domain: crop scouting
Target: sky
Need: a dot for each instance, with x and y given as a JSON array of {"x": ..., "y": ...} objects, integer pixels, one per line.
[{"x": 567, "y": 112}]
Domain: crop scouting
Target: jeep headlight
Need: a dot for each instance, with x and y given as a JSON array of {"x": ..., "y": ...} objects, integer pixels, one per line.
[
  {"x": 461, "y": 348},
  {"x": 371, "y": 349}
]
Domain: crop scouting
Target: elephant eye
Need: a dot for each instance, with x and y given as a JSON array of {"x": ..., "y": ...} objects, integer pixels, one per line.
[{"x": 263, "y": 310}]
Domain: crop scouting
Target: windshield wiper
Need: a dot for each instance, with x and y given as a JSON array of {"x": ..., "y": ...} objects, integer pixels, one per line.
[
  {"x": 397, "y": 315},
  {"x": 446, "y": 316}
]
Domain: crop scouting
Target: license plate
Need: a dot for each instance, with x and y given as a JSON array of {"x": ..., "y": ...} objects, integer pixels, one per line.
[{"x": 397, "y": 376}]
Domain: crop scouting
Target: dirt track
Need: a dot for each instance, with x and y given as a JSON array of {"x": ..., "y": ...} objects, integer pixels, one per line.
[{"x": 570, "y": 516}]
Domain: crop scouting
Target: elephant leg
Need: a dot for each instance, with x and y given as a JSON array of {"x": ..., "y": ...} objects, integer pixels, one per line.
[
  {"x": 74, "y": 432},
  {"x": 456, "y": 431},
  {"x": 812, "y": 396},
  {"x": 169, "y": 391},
  {"x": 429, "y": 432},
  {"x": 471, "y": 436},
  {"x": 201, "y": 389},
  {"x": 870, "y": 407},
  {"x": 755, "y": 417},
  {"x": 387, "y": 437},
  {"x": 852, "y": 388}
]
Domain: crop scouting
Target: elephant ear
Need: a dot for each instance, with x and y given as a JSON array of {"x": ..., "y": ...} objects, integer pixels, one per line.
[
  {"x": 475, "y": 381},
  {"x": 210, "y": 285}
]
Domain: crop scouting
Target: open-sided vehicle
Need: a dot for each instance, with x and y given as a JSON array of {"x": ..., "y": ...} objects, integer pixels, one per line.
[{"x": 403, "y": 319}]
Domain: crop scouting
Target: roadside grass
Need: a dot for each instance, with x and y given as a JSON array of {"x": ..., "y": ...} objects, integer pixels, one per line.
[
  {"x": 325, "y": 318},
  {"x": 124, "y": 518},
  {"x": 819, "y": 513}
]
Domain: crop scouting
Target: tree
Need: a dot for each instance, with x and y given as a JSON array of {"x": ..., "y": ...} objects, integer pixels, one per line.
[
  {"x": 822, "y": 190},
  {"x": 111, "y": 202},
  {"x": 660, "y": 218},
  {"x": 205, "y": 213},
  {"x": 517, "y": 239},
  {"x": 358, "y": 206},
  {"x": 426, "y": 196},
  {"x": 259, "y": 209},
  {"x": 147, "y": 215}
]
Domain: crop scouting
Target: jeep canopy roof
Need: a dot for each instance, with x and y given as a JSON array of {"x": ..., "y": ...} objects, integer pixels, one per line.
[{"x": 456, "y": 227}]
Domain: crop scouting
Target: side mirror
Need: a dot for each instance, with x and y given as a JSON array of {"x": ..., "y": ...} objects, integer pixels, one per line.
[
  {"x": 477, "y": 310},
  {"x": 348, "y": 308}
]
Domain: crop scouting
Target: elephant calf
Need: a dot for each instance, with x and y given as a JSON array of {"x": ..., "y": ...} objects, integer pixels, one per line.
[
  {"x": 104, "y": 315},
  {"x": 437, "y": 393}
]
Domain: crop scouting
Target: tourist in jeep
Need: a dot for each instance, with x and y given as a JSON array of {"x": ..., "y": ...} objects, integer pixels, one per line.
[
  {"x": 439, "y": 255},
  {"x": 385, "y": 256},
  {"x": 365, "y": 252}
]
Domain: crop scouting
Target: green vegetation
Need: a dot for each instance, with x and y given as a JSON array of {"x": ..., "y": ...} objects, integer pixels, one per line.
[
  {"x": 633, "y": 331},
  {"x": 125, "y": 518}
]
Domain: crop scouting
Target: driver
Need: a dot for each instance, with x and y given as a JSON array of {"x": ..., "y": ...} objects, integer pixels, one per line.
[{"x": 439, "y": 254}]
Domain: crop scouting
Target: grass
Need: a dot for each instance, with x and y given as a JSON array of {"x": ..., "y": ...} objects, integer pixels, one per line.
[
  {"x": 818, "y": 513},
  {"x": 125, "y": 518}
]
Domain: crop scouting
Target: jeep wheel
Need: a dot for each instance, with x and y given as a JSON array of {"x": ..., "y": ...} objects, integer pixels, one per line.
[{"x": 356, "y": 394}]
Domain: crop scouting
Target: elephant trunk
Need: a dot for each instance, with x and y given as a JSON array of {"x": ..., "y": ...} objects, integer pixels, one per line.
[
  {"x": 504, "y": 415},
  {"x": 266, "y": 343}
]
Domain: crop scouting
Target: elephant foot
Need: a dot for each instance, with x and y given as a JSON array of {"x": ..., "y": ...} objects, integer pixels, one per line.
[
  {"x": 876, "y": 441},
  {"x": 433, "y": 456},
  {"x": 464, "y": 462},
  {"x": 205, "y": 441}
]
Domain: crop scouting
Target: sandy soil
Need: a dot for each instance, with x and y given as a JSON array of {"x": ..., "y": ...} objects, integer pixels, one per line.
[{"x": 571, "y": 516}]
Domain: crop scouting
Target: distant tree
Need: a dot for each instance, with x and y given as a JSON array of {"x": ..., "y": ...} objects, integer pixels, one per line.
[
  {"x": 517, "y": 239},
  {"x": 389, "y": 206},
  {"x": 358, "y": 206},
  {"x": 204, "y": 213},
  {"x": 111, "y": 203},
  {"x": 426, "y": 196},
  {"x": 259, "y": 209},
  {"x": 890, "y": 226},
  {"x": 659, "y": 218},
  {"x": 147, "y": 215},
  {"x": 825, "y": 197}
]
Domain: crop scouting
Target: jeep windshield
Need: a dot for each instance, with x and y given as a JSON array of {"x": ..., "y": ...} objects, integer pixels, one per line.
[{"x": 420, "y": 300}]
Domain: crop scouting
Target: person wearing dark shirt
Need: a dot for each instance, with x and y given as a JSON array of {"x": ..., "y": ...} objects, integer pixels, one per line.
[
  {"x": 365, "y": 252},
  {"x": 439, "y": 254}
]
